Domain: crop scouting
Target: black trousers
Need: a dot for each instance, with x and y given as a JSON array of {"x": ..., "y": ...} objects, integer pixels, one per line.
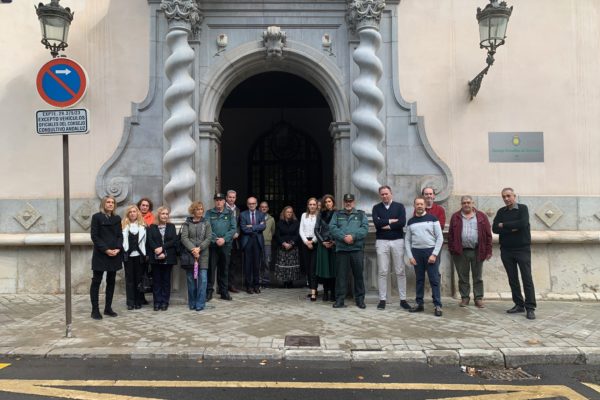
[
  {"x": 515, "y": 260},
  {"x": 95, "y": 288},
  {"x": 218, "y": 264},
  {"x": 252, "y": 252},
  {"x": 310, "y": 262},
  {"x": 161, "y": 283},
  {"x": 134, "y": 271},
  {"x": 345, "y": 261}
]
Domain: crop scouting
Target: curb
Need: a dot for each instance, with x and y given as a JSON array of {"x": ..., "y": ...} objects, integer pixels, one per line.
[{"x": 501, "y": 357}]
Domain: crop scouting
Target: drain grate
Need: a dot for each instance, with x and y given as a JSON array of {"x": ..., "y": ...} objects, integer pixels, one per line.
[
  {"x": 501, "y": 374},
  {"x": 303, "y": 341}
]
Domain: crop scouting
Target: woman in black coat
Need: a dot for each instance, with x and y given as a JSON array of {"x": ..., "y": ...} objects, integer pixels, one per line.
[
  {"x": 107, "y": 256},
  {"x": 161, "y": 248},
  {"x": 287, "y": 237}
]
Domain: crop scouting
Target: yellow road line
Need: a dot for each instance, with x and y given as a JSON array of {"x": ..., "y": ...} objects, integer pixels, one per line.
[
  {"x": 592, "y": 386},
  {"x": 4, "y": 365},
  {"x": 48, "y": 388}
]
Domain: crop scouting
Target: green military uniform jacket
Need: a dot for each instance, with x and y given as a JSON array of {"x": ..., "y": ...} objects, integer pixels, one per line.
[
  {"x": 223, "y": 225},
  {"x": 353, "y": 223}
]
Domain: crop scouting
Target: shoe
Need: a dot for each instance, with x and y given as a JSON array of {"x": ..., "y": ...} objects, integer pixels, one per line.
[
  {"x": 404, "y": 304},
  {"x": 129, "y": 308},
  {"x": 417, "y": 308},
  {"x": 110, "y": 312},
  {"x": 96, "y": 314},
  {"x": 437, "y": 311},
  {"x": 226, "y": 297},
  {"x": 381, "y": 305},
  {"x": 257, "y": 290},
  {"x": 137, "y": 306},
  {"x": 361, "y": 305},
  {"x": 465, "y": 302},
  {"x": 313, "y": 296},
  {"x": 530, "y": 313},
  {"x": 479, "y": 303},
  {"x": 156, "y": 307},
  {"x": 199, "y": 308},
  {"x": 209, "y": 295},
  {"x": 516, "y": 309},
  {"x": 249, "y": 291},
  {"x": 232, "y": 289},
  {"x": 325, "y": 296},
  {"x": 164, "y": 307},
  {"x": 339, "y": 305}
]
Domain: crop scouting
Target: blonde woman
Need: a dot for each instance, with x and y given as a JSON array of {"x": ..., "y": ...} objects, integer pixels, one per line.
[
  {"x": 134, "y": 253},
  {"x": 105, "y": 232},
  {"x": 162, "y": 245}
]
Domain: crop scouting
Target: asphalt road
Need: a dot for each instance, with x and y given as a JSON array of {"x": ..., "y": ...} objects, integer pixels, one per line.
[{"x": 103, "y": 379}]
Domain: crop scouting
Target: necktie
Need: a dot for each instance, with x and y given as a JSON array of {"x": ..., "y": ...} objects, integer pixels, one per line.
[{"x": 252, "y": 220}]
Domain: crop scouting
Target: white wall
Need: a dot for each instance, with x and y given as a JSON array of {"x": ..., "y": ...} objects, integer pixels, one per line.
[
  {"x": 545, "y": 78},
  {"x": 110, "y": 39}
]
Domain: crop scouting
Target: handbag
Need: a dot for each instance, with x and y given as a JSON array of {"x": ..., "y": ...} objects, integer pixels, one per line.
[{"x": 145, "y": 286}]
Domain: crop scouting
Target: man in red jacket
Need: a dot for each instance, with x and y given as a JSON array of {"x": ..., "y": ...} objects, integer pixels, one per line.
[
  {"x": 432, "y": 208},
  {"x": 470, "y": 243}
]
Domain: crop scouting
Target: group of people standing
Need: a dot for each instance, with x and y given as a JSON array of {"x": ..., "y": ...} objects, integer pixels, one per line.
[{"x": 330, "y": 243}]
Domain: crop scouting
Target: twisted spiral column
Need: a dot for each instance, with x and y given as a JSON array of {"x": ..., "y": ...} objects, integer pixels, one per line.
[
  {"x": 370, "y": 129},
  {"x": 177, "y": 129}
]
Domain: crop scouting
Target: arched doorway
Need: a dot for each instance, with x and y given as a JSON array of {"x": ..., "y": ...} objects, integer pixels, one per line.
[{"x": 276, "y": 143}]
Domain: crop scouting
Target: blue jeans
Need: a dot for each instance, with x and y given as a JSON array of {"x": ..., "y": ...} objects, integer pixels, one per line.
[
  {"x": 433, "y": 273},
  {"x": 196, "y": 289}
]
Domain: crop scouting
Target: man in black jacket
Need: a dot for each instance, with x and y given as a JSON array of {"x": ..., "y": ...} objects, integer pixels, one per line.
[{"x": 512, "y": 224}]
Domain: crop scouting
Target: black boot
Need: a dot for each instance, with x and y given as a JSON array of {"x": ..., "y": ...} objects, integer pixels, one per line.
[
  {"x": 94, "y": 293},
  {"x": 110, "y": 290},
  {"x": 96, "y": 313}
]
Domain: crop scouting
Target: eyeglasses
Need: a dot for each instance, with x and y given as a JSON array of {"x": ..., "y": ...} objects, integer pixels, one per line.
[{"x": 251, "y": 204}]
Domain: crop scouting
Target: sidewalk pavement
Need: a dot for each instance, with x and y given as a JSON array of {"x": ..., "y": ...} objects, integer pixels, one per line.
[{"x": 256, "y": 326}]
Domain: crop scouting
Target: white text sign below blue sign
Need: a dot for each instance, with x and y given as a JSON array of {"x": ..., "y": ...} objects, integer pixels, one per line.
[
  {"x": 516, "y": 146},
  {"x": 62, "y": 122}
]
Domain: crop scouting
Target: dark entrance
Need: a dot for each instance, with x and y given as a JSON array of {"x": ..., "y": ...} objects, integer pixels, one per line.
[{"x": 276, "y": 143}]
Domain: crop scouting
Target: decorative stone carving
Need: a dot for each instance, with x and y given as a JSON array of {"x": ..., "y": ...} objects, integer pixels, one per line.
[
  {"x": 364, "y": 13},
  {"x": 274, "y": 40},
  {"x": 118, "y": 187},
  {"x": 177, "y": 129},
  {"x": 549, "y": 213},
  {"x": 370, "y": 129},
  {"x": 27, "y": 216},
  {"x": 185, "y": 12},
  {"x": 83, "y": 214}
]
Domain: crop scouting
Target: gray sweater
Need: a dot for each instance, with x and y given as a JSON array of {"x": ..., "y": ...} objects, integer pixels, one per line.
[{"x": 423, "y": 232}]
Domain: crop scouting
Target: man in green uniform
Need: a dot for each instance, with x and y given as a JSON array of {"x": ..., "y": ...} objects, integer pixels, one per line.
[
  {"x": 349, "y": 227},
  {"x": 223, "y": 226}
]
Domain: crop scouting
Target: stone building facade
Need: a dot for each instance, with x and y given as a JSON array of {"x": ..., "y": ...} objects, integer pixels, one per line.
[{"x": 290, "y": 99}]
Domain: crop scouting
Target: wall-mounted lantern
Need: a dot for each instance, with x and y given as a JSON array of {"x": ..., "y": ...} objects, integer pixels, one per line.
[{"x": 492, "y": 20}]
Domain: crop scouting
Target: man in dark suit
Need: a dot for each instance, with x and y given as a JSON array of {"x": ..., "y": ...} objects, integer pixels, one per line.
[
  {"x": 235, "y": 259},
  {"x": 252, "y": 224}
]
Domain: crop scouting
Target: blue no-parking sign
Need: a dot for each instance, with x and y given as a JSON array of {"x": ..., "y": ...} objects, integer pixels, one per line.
[{"x": 61, "y": 82}]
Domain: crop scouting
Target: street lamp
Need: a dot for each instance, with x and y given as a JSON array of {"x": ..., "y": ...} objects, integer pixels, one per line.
[
  {"x": 54, "y": 21},
  {"x": 492, "y": 20}
]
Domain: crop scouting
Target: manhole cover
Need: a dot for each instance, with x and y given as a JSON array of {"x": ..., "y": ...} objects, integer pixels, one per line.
[
  {"x": 500, "y": 374},
  {"x": 308, "y": 341}
]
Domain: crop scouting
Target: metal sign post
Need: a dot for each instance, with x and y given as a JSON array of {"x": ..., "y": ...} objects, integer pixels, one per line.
[{"x": 62, "y": 83}]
